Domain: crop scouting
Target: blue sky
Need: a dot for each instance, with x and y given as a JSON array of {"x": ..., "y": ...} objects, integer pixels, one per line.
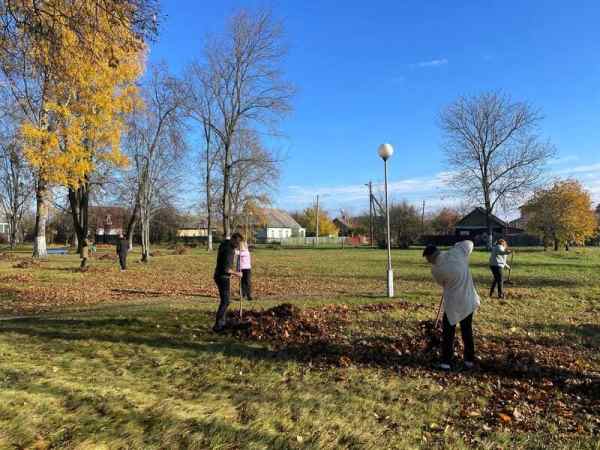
[{"x": 380, "y": 71}]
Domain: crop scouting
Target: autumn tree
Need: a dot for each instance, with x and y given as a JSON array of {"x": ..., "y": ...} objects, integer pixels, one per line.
[
  {"x": 561, "y": 214},
  {"x": 307, "y": 219},
  {"x": 445, "y": 220},
  {"x": 405, "y": 223},
  {"x": 155, "y": 143},
  {"x": 244, "y": 67},
  {"x": 493, "y": 150},
  {"x": 42, "y": 46},
  {"x": 86, "y": 106}
]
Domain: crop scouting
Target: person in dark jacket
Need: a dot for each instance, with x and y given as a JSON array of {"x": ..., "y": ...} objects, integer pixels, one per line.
[
  {"x": 122, "y": 250},
  {"x": 224, "y": 269}
]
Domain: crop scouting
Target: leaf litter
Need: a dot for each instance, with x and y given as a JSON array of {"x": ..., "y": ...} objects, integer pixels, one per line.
[{"x": 525, "y": 383}]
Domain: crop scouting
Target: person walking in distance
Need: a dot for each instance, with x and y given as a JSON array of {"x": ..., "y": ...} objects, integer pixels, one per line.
[
  {"x": 122, "y": 250},
  {"x": 450, "y": 270},
  {"x": 497, "y": 265},
  {"x": 85, "y": 254},
  {"x": 246, "y": 269},
  {"x": 224, "y": 269}
]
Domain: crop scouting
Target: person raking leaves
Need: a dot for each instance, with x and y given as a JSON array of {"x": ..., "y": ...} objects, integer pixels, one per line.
[
  {"x": 224, "y": 269},
  {"x": 450, "y": 269},
  {"x": 497, "y": 265}
]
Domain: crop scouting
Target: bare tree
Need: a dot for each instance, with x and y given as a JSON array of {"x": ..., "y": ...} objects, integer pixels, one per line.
[
  {"x": 493, "y": 150},
  {"x": 16, "y": 183},
  {"x": 246, "y": 85},
  {"x": 202, "y": 108},
  {"x": 253, "y": 175},
  {"x": 155, "y": 144}
]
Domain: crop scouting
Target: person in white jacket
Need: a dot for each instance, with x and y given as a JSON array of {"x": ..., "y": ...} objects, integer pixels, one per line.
[
  {"x": 497, "y": 265},
  {"x": 450, "y": 269}
]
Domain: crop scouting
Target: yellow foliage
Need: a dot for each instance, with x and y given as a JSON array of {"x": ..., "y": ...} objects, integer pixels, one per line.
[
  {"x": 562, "y": 213},
  {"x": 86, "y": 99},
  {"x": 326, "y": 225}
]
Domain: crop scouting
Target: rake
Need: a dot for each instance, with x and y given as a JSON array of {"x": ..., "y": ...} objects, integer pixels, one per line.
[{"x": 512, "y": 258}]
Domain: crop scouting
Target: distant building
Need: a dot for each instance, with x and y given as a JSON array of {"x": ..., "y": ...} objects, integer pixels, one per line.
[
  {"x": 194, "y": 230},
  {"x": 344, "y": 225},
  {"x": 474, "y": 226},
  {"x": 4, "y": 228},
  {"x": 107, "y": 223},
  {"x": 272, "y": 225}
]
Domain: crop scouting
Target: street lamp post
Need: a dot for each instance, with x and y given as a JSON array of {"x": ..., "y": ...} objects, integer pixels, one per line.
[{"x": 385, "y": 152}]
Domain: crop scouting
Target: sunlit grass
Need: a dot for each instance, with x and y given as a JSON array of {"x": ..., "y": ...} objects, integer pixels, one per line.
[{"x": 147, "y": 372}]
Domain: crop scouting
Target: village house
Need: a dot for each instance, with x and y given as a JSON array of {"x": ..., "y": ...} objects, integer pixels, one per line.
[
  {"x": 274, "y": 225},
  {"x": 4, "y": 228},
  {"x": 107, "y": 223},
  {"x": 474, "y": 226},
  {"x": 194, "y": 230}
]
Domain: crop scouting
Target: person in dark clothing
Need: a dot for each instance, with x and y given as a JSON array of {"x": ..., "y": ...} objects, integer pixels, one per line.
[
  {"x": 122, "y": 250},
  {"x": 224, "y": 269}
]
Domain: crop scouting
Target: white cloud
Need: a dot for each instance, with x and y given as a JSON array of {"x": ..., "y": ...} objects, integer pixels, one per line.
[
  {"x": 588, "y": 175},
  {"x": 431, "y": 63},
  {"x": 583, "y": 169},
  {"x": 564, "y": 159},
  {"x": 356, "y": 196}
]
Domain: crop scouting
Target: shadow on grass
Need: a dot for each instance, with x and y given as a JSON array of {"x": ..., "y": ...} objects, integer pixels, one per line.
[
  {"x": 505, "y": 357},
  {"x": 157, "y": 425}
]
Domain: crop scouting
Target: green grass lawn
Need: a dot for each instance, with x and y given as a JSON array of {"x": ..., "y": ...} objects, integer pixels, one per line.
[{"x": 113, "y": 360}]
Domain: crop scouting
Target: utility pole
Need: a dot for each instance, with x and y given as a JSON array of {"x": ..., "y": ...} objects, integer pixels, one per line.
[
  {"x": 370, "y": 185},
  {"x": 423, "y": 219},
  {"x": 317, "y": 224}
]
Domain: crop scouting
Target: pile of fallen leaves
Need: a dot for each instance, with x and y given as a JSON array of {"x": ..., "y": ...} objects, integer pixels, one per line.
[
  {"x": 524, "y": 381},
  {"x": 287, "y": 323},
  {"x": 107, "y": 257},
  {"x": 27, "y": 264}
]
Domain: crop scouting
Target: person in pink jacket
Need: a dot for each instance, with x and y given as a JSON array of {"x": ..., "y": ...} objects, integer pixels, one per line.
[{"x": 246, "y": 269}]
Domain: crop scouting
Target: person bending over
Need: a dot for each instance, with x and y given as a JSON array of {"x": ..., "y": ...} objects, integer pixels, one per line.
[
  {"x": 450, "y": 269},
  {"x": 223, "y": 272}
]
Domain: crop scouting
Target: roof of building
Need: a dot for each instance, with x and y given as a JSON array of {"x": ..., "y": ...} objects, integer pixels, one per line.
[
  {"x": 343, "y": 221},
  {"x": 471, "y": 219},
  {"x": 277, "y": 218}
]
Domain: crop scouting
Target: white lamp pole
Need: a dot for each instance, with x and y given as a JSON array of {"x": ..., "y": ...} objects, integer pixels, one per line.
[{"x": 385, "y": 152}]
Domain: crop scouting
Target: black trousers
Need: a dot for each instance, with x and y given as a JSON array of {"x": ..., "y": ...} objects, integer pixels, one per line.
[
  {"x": 466, "y": 329},
  {"x": 224, "y": 285},
  {"x": 247, "y": 284},
  {"x": 498, "y": 280},
  {"x": 123, "y": 260}
]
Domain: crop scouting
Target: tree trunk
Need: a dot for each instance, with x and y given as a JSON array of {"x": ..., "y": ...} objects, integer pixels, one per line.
[
  {"x": 145, "y": 224},
  {"x": 208, "y": 208},
  {"x": 132, "y": 223},
  {"x": 556, "y": 245},
  {"x": 13, "y": 227},
  {"x": 488, "y": 223},
  {"x": 227, "y": 193},
  {"x": 79, "y": 202},
  {"x": 42, "y": 197}
]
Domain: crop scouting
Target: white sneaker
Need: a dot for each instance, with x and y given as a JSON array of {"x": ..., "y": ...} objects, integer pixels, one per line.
[
  {"x": 443, "y": 366},
  {"x": 469, "y": 364}
]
